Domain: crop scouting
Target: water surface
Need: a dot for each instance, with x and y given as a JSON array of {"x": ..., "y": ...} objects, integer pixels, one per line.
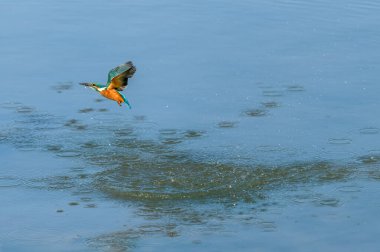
[{"x": 254, "y": 126}]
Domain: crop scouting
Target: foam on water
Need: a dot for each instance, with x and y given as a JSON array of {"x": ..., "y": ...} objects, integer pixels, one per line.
[{"x": 141, "y": 169}]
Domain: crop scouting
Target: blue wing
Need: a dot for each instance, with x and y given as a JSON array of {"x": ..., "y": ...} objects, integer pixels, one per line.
[{"x": 118, "y": 76}]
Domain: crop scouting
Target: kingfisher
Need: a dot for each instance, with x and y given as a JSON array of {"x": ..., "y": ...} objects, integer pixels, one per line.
[{"x": 117, "y": 81}]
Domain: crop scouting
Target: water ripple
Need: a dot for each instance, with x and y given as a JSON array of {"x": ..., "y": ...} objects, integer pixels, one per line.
[
  {"x": 226, "y": 124},
  {"x": 340, "y": 141},
  {"x": 9, "y": 181},
  {"x": 369, "y": 131},
  {"x": 196, "y": 181}
]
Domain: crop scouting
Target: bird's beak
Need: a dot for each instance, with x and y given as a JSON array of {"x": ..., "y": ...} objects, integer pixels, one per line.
[{"x": 86, "y": 84}]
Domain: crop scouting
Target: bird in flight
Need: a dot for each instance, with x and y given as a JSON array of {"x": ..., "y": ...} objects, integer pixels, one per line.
[{"x": 117, "y": 81}]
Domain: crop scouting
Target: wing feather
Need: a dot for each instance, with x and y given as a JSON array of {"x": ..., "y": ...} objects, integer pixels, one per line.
[{"x": 118, "y": 76}]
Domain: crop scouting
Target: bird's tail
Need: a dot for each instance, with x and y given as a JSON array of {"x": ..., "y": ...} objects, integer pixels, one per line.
[{"x": 125, "y": 100}]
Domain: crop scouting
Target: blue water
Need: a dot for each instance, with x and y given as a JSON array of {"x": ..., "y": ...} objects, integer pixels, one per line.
[{"x": 254, "y": 126}]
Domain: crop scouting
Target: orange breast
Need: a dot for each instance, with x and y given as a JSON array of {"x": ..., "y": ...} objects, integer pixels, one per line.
[{"x": 112, "y": 95}]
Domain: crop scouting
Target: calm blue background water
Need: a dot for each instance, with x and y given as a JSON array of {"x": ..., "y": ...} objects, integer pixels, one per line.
[{"x": 254, "y": 126}]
